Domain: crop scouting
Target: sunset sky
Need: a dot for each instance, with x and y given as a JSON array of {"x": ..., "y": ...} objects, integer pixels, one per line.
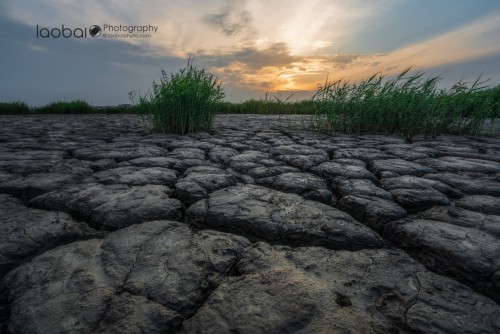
[{"x": 255, "y": 46}]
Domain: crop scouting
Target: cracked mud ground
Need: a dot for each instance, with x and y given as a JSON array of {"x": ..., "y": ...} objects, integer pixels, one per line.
[{"x": 259, "y": 226}]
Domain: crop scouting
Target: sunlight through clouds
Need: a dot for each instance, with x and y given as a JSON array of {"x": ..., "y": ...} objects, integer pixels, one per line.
[{"x": 474, "y": 40}]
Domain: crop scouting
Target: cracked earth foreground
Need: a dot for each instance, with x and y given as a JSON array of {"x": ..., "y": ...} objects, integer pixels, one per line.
[{"x": 257, "y": 227}]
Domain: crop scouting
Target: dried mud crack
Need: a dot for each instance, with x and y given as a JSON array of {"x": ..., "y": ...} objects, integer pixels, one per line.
[{"x": 260, "y": 226}]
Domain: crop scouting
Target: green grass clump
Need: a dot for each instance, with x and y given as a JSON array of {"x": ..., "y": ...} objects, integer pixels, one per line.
[
  {"x": 72, "y": 107},
  {"x": 183, "y": 102},
  {"x": 408, "y": 104},
  {"x": 13, "y": 108}
]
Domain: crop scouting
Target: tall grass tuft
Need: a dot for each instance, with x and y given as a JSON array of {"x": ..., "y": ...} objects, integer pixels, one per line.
[
  {"x": 183, "y": 102},
  {"x": 407, "y": 104}
]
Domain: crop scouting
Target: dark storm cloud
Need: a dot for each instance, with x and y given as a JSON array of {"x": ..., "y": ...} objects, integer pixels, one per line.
[
  {"x": 98, "y": 70},
  {"x": 231, "y": 20}
]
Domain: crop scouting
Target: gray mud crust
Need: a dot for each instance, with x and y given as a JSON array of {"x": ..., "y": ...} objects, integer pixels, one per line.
[{"x": 258, "y": 226}]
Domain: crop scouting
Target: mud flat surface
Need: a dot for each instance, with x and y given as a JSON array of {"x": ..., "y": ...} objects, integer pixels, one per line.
[{"x": 257, "y": 227}]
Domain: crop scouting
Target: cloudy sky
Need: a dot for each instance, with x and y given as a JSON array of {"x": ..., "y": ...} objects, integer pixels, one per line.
[{"x": 255, "y": 46}]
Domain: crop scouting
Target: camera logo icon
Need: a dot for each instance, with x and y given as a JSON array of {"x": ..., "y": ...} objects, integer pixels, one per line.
[{"x": 95, "y": 30}]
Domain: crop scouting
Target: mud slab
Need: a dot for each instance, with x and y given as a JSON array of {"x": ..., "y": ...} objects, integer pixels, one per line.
[{"x": 259, "y": 226}]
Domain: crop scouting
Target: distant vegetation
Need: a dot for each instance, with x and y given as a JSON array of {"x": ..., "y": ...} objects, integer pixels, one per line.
[
  {"x": 62, "y": 107},
  {"x": 407, "y": 104},
  {"x": 72, "y": 107},
  {"x": 270, "y": 106},
  {"x": 13, "y": 108}
]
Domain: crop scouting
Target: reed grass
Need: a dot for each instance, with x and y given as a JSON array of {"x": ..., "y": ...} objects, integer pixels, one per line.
[
  {"x": 407, "y": 104},
  {"x": 182, "y": 102}
]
